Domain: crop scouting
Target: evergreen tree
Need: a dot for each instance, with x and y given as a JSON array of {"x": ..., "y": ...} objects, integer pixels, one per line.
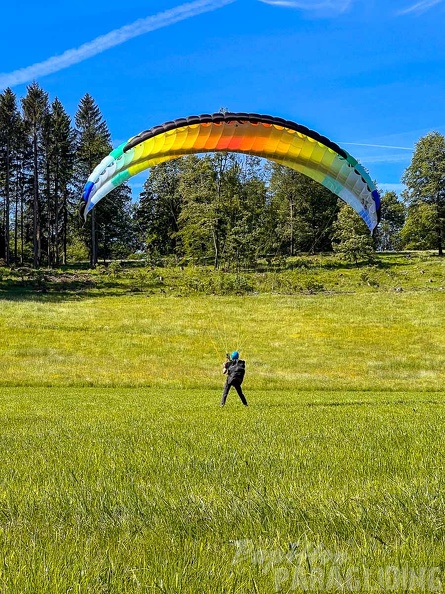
[
  {"x": 93, "y": 144},
  {"x": 59, "y": 157},
  {"x": 10, "y": 134},
  {"x": 351, "y": 238},
  {"x": 23, "y": 198},
  {"x": 425, "y": 181},
  {"x": 116, "y": 236},
  {"x": 35, "y": 110}
]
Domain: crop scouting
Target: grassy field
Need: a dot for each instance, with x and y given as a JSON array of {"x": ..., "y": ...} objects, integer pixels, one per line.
[{"x": 119, "y": 472}]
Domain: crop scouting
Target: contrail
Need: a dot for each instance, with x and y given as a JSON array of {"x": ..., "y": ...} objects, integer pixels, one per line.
[
  {"x": 385, "y": 146},
  {"x": 420, "y": 7},
  {"x": 109, "y": 40},
  {"x": 335, "y": 5}
]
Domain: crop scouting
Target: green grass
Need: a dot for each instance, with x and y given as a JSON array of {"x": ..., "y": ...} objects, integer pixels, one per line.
[
  {"x": 120, "y": 473},
  {"x": 148, "y": 490},
  {"x": 390, "y": 272},
  {"x": 367, "y": 341}
]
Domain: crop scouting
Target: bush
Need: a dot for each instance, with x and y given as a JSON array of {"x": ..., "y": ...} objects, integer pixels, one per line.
[{"x": 115, "y": 269}]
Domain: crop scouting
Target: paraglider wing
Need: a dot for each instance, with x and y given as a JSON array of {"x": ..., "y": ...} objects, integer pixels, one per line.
[{"x": 276, "y": 139}]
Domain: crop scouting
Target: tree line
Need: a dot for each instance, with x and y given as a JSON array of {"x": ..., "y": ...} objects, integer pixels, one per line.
[
  {"x": 45, "y": 159},
  {"x": 222, "y": 208}
]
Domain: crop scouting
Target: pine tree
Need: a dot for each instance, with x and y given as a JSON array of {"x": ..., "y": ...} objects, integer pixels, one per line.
[
  {"x": 61, "y": 163},
  {"x": 10, "y": 131},
  {"x": 352, "y": 239},
  {"x": 35, "y": 110},
  {"x": 93, "y": 144}
]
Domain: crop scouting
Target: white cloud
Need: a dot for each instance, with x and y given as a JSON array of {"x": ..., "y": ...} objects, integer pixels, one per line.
[
  {"x": 109, "y": 40},
  {"x": 419, "y": 7},
  {"x": 332, "y": 6}
]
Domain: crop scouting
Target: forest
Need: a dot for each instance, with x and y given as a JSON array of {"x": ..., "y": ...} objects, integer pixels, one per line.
[{"x": 217, "y": 209}]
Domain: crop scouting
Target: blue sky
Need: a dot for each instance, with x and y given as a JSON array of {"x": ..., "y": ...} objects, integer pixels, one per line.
[{"x": 362, "y": 72}]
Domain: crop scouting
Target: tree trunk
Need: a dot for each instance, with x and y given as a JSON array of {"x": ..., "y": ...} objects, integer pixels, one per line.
[
  {"x": 93, "y": 259},
  {"x": 216, "y": 247},
  {"x": 65, "y": 226},
  {"x": 291, "y": 204},
  {"x": 439, "y": 227},
  {"x": 16, "y": 225},
  {"x": 35, "y": 221},
  {"x": 56, "y": 220},
  {"x": 7, "y": 207},
  {"x": 22, "y": 228}
]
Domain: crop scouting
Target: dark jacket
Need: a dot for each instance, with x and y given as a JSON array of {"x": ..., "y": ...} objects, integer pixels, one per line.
[{"x": 236, "y": 370}]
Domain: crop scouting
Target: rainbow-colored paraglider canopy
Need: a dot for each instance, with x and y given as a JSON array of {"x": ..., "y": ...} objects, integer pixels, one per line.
[{"x": 283, "y": 141}]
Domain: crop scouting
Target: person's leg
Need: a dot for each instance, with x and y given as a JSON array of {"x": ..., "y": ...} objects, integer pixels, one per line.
[
  {"x": 225, "y": 392},
  {"x": 238, "y": 388}
]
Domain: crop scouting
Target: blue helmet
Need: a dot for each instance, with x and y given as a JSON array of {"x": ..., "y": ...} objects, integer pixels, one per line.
[{"x": 234, "y": 355}]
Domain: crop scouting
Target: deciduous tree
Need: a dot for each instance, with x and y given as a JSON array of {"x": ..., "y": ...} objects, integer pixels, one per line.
[{"x": 425, "y": 181}]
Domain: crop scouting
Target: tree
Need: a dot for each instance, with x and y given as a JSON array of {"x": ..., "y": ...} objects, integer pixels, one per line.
[
  {"x": 198, "y": 215},
  {"x": 418, "y": 232},
  {"x": 59, "y": 156},
  {"x": 393, "y": 214},
  {"x": 222, "y": 214},
  {"x": 22, "y": 195},
  {"x": 425, "y": 181},
  {"x": 93, "y": 144},
  {"x": 305, "y": 211},
  {"x": 112, "y": 231},
  {"x": 10, "y": 133},
  {"x": 35, "y": 110},
  {"x": 158, "y": 210},
  {"x": 249, "y": 226},
  {"x": 352, "y": 239},
  {"x": 115, "y": 233}
]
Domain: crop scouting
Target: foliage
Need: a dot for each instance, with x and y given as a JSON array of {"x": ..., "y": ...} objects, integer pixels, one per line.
[
  {"x": 393, "y": 215},
  {"x": 425, "y": 181},
  {"x": 419, "y": 231},
  {"x": 10, "y": 145},
  {"x": 35, "y": 114},
  {"x": 249, "y": 229},
  {"x": 220, "y": 209},
  {"x": 304, "y": 211},
  {"x": 158, "y": 209},
  {"x": 293, "y": 276},
  {"x": 351, "y": 237}
]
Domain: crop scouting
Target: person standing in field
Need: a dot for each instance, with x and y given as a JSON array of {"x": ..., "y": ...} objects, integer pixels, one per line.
[{"x": 235, "y": 369}]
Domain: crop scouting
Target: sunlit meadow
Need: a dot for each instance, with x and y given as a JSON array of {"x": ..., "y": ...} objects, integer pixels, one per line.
[{"x": 119, "y": 472}]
